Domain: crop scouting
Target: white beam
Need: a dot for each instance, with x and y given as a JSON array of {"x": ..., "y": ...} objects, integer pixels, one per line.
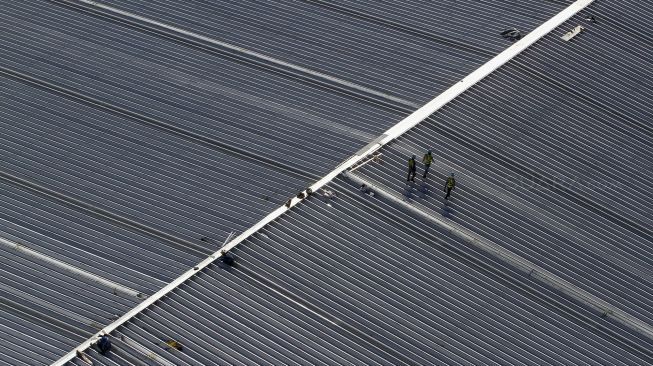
[
  {"x": 116, "y": 288},
  {"x": 391, "y": 134}
]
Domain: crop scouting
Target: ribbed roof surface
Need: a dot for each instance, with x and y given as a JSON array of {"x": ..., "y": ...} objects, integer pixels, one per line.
[
  {"x": 225, "y": 101},
  {"x": 552, "y": 160},
  {"x": 361, "y": 281},
  {"x": 411, "y": 49},
  {"x": 538, "y": 153},
  {"x": 125, "y": 142},
  {"x": 144, "y": 174},
  {"x": 46, "y": 310}
]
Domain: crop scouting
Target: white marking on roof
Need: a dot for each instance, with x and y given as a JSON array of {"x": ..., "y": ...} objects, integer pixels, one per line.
[{"x": 573, "y": 33}]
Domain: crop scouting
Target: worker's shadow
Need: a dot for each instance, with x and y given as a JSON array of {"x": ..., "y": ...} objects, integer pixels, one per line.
[
  {"x": 411, "y": 191},
  {"x": 446, "y": 209},
  {"x": 424, "y": 191}
]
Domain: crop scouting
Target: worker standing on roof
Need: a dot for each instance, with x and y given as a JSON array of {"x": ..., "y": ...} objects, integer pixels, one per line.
[
  {"x": 449, "y": 185},
  {"x": 412, "y": 169},
  {"x": 427, "y": 160}
]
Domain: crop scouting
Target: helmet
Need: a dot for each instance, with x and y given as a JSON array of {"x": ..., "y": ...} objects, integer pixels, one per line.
[
  {"x": 452, "y": 174},
  {"x": 428, "y": 152},
  {"x": 413, "y": 157}
]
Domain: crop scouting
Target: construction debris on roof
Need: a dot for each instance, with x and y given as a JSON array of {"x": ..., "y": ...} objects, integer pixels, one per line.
[{"x": 512, "y": 34}]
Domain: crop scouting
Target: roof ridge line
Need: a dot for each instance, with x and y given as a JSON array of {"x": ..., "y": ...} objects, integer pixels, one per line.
[{"x": 391, "y": 134}]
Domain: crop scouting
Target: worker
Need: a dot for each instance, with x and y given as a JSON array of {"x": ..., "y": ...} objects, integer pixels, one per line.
[
  {"x": 427, "y": 160},
  {"x": 104, "y": 344},
  {"x": 172, "y": 344},
  {"x": 412, "y": 169},
  {"x": 451, "y": 184}
]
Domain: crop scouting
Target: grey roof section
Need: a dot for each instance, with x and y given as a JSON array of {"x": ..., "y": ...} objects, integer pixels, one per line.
[
  {"x": 387, "y": 283},
  {"x": 136, "y": 142},
  {"x": 553, "y": 160},
  {"x": 231, "y": 102},
  {"x": 410, "y": 49},
  {"x": 360, "y": 281},
  {"x": 121, "y": 149},
  {"x": 144, "y": 174},
  {"x": 47, "y": 310},
  {"x": 132, "y": 147},
  {"x": 31, "y": 343}
]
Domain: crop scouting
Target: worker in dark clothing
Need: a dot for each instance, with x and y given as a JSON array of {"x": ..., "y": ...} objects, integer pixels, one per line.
[
  {"x": 427, "y": 160},
  {"x": 449, "y": 185},
  {"x": 104, "y": 344},
  {"x": 412, "y": 169}
]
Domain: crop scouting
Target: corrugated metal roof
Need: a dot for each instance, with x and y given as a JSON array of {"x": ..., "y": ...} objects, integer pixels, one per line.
[
  {"x": 547, "y": 164},
  {"x": 146, "y": 175},
  {"x": 397, "y": 287},
  {"x": 410, "y": 49},
  {"x": 228, "y": 102},
  {"x": 361, "y": 281},
  {"x": 134, "y": 142},
  {"x": 130, "y": 149}
]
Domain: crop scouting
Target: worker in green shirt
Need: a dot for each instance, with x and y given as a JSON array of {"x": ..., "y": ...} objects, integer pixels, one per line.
[
  {"x": 449, "y": 185},
  {"x": 427, "y": 160},
  {"x": 412, "y": 169}
]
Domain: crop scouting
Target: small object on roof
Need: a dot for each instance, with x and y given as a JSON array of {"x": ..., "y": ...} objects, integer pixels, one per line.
[
  {"x": 173, "y": 345},
  {"x": 573, "y": 33},
  {"x": 590, "y": 18},
  {"x": 309, "y": 191},
  {"x": 288, "y": 202},
  {"x": 301, "y": 195},
  {"x": 367, "y": 190},
  {"x": 512, "y": 34},
  {"x": 376, "y": 157},
  {"x": 227, "y": 258},
  {"x": 84, "y": 358},
  {"x": 104, "y": 344},
  {"x": 204, "y": 238}
]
